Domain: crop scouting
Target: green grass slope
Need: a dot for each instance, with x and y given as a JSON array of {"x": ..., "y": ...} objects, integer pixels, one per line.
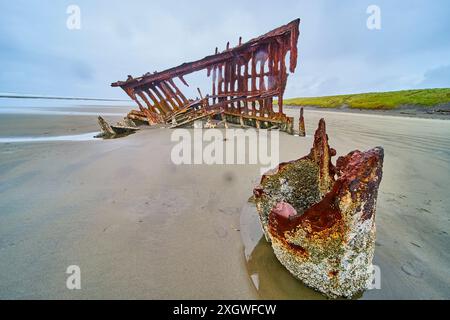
[{"x": 377, "y": 100}]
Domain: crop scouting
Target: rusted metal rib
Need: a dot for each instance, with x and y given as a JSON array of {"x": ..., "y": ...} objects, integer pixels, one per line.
[{"x": 178, "y": 92}]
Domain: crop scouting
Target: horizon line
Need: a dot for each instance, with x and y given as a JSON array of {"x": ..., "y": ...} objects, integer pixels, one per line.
[{"x": 36, "y": 96}]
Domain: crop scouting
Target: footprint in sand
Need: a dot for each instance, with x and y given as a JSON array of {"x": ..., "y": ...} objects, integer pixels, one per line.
[
  {"x": 413, "y": 269},
  {"x": 416, "y": 245},
  {"x": 229, "y": 211},
  {"x": 221, "y": 232}
]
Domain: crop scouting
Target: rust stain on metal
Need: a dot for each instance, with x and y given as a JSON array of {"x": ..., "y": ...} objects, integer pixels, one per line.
[
  {"x": 320, "y": 218},
  {"x": 245, "y": 80}
]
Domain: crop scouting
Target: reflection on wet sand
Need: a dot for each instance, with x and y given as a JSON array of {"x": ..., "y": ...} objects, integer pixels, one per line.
[{"x": 270, "y": 278}]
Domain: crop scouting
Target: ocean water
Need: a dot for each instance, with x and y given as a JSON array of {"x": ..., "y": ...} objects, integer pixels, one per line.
[{"x": 49, "y": 120}]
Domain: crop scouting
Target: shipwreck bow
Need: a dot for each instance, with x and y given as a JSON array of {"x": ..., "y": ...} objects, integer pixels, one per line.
[{"x": 320, "y": 218}]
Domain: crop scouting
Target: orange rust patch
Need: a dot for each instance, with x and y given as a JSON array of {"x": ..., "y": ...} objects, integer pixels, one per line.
[
  {"x": 325, "y": 214},
  {"x": 333, "y": 273}
]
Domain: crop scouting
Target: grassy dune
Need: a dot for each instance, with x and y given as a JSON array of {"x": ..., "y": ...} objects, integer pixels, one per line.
[{"x": 377, "y": 100}]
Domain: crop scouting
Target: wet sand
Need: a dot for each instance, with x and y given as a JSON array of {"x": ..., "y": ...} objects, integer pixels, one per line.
[
  {"x": 141, "y": 227},
  {"x": 54, "y": 121}
]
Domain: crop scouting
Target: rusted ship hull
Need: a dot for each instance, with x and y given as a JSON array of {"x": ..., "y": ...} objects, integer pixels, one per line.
[
  {"x": 320, "y": 218},
  {"x": 245, "y": 81}
]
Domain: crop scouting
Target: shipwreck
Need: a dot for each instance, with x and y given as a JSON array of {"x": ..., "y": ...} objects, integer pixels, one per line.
[
  {"x": 320, "y": 218},
  {"x": 245, "y": 80}
]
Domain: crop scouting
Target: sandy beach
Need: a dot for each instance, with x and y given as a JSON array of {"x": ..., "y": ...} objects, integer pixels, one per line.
[{"x": 141, "y": 227}]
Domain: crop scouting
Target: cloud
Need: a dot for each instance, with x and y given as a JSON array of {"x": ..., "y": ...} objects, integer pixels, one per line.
[{"x": 337, "y": 53}]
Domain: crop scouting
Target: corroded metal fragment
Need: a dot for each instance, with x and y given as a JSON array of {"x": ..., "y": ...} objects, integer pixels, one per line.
[
  {"x": 245, "y": 80},
  {"x": 320, "y": 218},
  {"x": 105, "y": 127},
  {"x": 301, "y": 124},
  {"x": 123, "y": 128}
]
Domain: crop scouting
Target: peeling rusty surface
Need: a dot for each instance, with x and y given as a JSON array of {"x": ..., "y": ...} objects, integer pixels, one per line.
[
  {"x": 320, "y": 218},
  {"x": 245, "y": 80}
]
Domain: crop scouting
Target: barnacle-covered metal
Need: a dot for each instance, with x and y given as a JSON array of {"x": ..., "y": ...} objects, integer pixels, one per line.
[{"x": 320, "y": 218}]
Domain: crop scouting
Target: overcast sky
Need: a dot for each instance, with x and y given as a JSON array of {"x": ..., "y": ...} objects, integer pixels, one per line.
[{"x": 338, "y": 54}]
